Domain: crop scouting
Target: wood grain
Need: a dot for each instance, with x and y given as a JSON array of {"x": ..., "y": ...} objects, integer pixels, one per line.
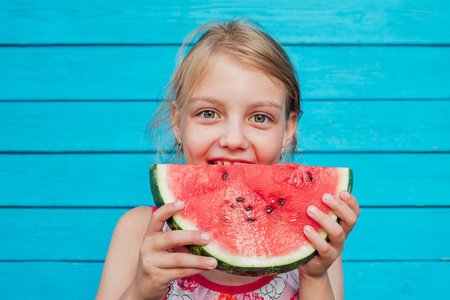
[
  {"x": 130, "y": 72},
  {"x": 121, "y": 180},
  {"x": 363, "y": 280},
  {"x": 375, "y": 78},
  {"x": 335, "y": 126},
  {"x": 84, "y": 234},
  {"x": 396, "y": 280},
  {"x": 158, "y": 21}
]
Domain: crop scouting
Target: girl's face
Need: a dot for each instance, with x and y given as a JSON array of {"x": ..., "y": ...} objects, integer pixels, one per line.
[{"x": 236, "y": 114}]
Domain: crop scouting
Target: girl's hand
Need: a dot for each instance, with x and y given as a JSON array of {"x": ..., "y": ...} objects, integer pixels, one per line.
[
  {"x": 347, "y": 209},
  {"x": 163, "y": 258}
]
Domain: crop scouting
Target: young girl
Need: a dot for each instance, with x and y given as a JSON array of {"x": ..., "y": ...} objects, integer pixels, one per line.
[{"x": 233, "y": 99}]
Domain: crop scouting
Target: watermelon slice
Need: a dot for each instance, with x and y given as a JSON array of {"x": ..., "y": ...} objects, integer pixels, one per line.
[{"x": 255, "y": 214}]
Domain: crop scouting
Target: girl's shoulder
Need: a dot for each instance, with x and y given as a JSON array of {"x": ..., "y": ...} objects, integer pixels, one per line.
[
  {"x": 139, "y": 214},
  {"x": 120, "y": 265},
  {"x": 135, "y": 220},
  {"x": 131, "y": 228}
]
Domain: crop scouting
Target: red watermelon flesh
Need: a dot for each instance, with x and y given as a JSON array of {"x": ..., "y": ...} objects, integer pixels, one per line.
[{"x": 254, "y": 213}]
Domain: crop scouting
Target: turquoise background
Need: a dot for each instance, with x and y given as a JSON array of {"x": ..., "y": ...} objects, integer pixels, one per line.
[{"x": 79, "y": 81}]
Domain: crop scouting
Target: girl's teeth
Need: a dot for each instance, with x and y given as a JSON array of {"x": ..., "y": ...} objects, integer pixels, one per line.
[{"x": 224, "y": 163}]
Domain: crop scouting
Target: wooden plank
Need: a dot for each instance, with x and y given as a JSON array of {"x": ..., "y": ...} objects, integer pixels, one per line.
[
  {"x": 363, "y": 280},
  {"x": 159, "y": 21},
  {"x": 399, "y": 234},
  {"x": 84, "y": 234},
  {"x": 325, "y": 126},
  {"x": 49, "y": 280},
  {"x": 121, "y": 180},
  {"x": 396, "y": 280},
  {"x": 61, "y": 126},
  {"x": 392, "y": 179},
  {"x": 75, "y": 180},
  {"x": 129, "y": 72},
  {"x": 57, "y": 234}
]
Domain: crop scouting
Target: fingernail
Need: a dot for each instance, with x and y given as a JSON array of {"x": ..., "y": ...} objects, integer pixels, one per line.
[
  {"x": 206, "y": 238},
  {"x": 211, "y": 262},
  {"x": 345, "y": 194},
  {"x": 328, "y": 198},
  {"x": 308, "y": 229},
  {"x": 312, "y": 209},
  {"x": 179, "y": 204}
]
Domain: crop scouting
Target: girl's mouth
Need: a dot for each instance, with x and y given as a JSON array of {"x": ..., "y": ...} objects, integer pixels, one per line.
[{"x": 226, "y": 162}]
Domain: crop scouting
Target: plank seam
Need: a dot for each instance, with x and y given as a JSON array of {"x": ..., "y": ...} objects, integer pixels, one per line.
[
  {"x": 62, "y": 207},
  {"x": 49, "y": 45},
  {"x": 22, "y": 152},
  {"x": 76, "y": 152},
  {"x": 394, "y": 260},
  {"x": 50, "y": 261},
  {"x": 403, "y": 206},
  {"x": 130, "y": 207},
  {"x": 344, "y": 260},
  {"x": 160, "y": 100}
]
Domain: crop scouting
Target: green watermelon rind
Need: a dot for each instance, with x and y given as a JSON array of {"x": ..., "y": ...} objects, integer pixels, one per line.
[
  {"x": 243, "y": 271},
  {"x": 157, "y": 172}
]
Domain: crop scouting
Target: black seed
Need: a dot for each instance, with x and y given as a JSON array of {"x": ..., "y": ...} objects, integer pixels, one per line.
[
  {"x": 239, "y": 199},
  {"x": 232, "y": 206},
  {"x": 309, "y": 176},
  {"x": 224, "y": 176},
  {"x": 269, "y": 209},
  {"x": 251, "y": 220},
  {"x": 281, "y": 201},
  {"x": 247, "y": 208}
]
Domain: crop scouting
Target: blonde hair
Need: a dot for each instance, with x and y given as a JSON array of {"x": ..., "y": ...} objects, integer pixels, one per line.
[{"x": 243, "y": 40}]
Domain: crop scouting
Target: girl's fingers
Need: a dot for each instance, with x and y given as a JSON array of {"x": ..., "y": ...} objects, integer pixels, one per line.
[
  {"x": 347, "y": 215},
  {"x": 160, "y": 216},
  {"x": 335, "y": 231},
  {"x": 187, "y": 261},
  {"x": 173, "y": 239},
  {"x": 318, "y": 242},
  {"x": 351, "y": 201}
]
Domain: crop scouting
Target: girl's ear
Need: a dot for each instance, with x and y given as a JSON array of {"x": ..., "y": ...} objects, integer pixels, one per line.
[
  {"x": 290, "y": 129},
  {"x": 175, "y": 122}
]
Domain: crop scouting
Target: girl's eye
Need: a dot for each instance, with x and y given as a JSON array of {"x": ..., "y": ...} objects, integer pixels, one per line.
[
  {"x": 260, "y": 118},
  {"x": 208, "y": 114}
]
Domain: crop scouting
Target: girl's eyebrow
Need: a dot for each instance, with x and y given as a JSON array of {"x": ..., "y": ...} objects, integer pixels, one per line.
[
  {"x": 206, "y": 99},
  {"x": 257, "y": 104},
  {"x": 268, "y": 103},
  {"x": 202, "y": 99}
]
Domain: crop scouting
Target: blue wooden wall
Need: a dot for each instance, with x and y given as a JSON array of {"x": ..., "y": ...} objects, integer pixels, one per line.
[{"x": 79, "y": 80}]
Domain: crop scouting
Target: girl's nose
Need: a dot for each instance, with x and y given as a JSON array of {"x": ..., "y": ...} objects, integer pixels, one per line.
[{"x": 233, "y": 136}]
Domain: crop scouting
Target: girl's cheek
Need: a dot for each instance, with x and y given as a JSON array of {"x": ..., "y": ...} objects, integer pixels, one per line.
[{"x": 268, "y": 151}]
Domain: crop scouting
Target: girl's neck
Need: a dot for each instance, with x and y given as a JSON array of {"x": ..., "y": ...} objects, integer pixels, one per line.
[{"x": 227, "y": 279}]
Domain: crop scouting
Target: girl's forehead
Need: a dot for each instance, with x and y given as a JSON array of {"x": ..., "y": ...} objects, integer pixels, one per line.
[
  {"x": 225, "y": 66},
  {"x": 219, "y": 60}
]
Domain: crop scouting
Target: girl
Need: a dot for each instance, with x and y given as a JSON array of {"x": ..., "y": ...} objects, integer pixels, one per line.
[{"x": 233, "y": 99}]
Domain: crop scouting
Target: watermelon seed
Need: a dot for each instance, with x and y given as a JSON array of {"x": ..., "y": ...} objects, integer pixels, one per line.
[
  {"x": 224, "y": 176},
  {"x": 232, "y": 206},
  {"x": 281, "y": 201},
  {"x": 247, "y": 208},
  {"x": 251, "y": 220},
  {"x": 269, "y": 209},
  {"x": 309, "y": 175},
  {"x": 239, "y": 199}
]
